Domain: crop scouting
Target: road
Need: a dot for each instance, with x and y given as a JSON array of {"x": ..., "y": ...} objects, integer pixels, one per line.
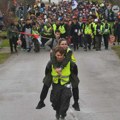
[{"x": 21, "y": 83}]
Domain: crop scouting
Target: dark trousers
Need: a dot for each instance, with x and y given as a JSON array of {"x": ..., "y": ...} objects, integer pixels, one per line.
[
  {"x": 13, "y": 43},
  {"x": 93, "y": 42},
  {"x": 80, "y": 41},
  {"x": 60, "y": 98},
  {"x": 118, "y": 40},
  {"x": 87, "y": 41},
  {"x": 75, "y": 40},
  {"x": 106, "y": 38},
  {"x": 23, "y": 42},
  {"x": 44, "y": 39},
  {"x": 45, "y": 89},
  {"x": 98, "y": 40}
]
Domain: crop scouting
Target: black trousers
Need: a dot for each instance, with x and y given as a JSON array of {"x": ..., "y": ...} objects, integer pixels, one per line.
[
  {"x": 106, "y": 38},
  {"x": 98, "y": 40},
  {"x": 60, "y": 98},
  {"x": 13, "y": 43},
  {"x": 87, "y": 41},
  {"x": 75, "y": 40},
  {"x": 45, "y": 89}
]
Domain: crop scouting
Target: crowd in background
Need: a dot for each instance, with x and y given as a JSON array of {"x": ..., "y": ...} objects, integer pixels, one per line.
[{"x": 87, "y": 25}]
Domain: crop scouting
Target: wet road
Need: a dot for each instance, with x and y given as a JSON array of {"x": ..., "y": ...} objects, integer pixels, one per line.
[{"x": 21, "y": 83}]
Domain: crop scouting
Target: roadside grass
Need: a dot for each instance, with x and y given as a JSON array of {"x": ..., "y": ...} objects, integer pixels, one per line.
[
  {"x": 4, "y": 43},
  {"x": 4, "y": 57},
  {"x": 117, "y": 50},
  {"x": 3, "y": 33}
]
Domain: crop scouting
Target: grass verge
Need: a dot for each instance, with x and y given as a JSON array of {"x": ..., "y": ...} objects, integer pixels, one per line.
[
  {"x": 117, "y": 50},
  {"x": 4, "y": 57},
  {"x": 5, "y": 43}
]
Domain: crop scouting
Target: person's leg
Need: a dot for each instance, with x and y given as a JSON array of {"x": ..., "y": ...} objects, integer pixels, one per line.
[
  {"x": 15, "y": 43},
  {"x": 106, "y": 41},
  {"x": 76, "y": 98},
  {"x": 65, "y": 102},
  {"x": 55, "y": 99},
  {"x": 118, "y": 40},
  {"x": 77, "y": 43},
  {"x": 97, "y": 43},
  {"x": 23, "y": 42},
  {"x": 85, "y": 42},
  {"x": 11, "y": 45},
  {"x": 89, "y": 40},
  {"x": 74, "y": 45},
  {"x": 43, "y": 95}
]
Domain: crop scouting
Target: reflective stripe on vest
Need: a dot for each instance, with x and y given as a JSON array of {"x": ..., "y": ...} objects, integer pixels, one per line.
[
  {"x": 48, "y": 30},
  {"x": 88, "y": 29},
  {"x": 95, "y": 29},
  {"x": 62, "y": 29},
  {"x": 64, "y": 77}
]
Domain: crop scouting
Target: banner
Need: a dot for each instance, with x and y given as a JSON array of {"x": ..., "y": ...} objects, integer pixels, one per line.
[{"x": 74, "y": 4}]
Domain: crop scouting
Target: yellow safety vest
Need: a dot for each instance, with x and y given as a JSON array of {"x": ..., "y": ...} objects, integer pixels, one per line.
[
  {"x": 54, "y": 27},
  {"x": 72, "y": 56},
  {"x": 48, "y": 30},
  {"x": 62, "y": 29},
  {"x": 64, "y": 77},
  {"x": 106, "y": 30},
  {"x": 95, "y": 29},
  {"x": 88, "y": 29},
  {"x": 35, "y": 32}
]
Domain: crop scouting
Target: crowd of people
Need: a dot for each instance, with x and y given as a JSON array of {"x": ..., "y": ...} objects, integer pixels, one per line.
[
  {"x": 58, "y": 28},
  {"x": 85, "y": 26}
]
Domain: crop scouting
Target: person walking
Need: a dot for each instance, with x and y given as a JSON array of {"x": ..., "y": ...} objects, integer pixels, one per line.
[
  {"x": 98, "y": 31},
  {"x": 61, "y": 84},
  {"x": 74, "y": 33},
  {"x": 12, "y": 36},
  {"x": 28, "y": 30},
  {"x": 106, "y": 33},
  {"x": 74, "y": 79},
  {"x": 87, "y": 36}
]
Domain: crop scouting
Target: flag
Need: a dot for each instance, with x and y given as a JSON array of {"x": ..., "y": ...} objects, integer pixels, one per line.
[{"x": 74, "y": 4}]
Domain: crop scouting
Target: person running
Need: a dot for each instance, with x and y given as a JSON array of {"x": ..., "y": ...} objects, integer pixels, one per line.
[
  {"x": 12, "y": 36},
  {"x": 61, "y": 84},
  {"x": 74, "y": 79}
]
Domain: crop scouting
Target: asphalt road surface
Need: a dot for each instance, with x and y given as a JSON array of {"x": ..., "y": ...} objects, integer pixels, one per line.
[{"x": 21, "y": 83}]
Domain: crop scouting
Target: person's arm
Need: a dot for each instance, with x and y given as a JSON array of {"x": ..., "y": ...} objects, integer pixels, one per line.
[
  {"x": 66, "y": 60},
  {"x": 74, "y": 68},
  {"x": 48, "y": 43},
  {"x": 48, "y": 68},
  {"x": 53, "y": 59}
]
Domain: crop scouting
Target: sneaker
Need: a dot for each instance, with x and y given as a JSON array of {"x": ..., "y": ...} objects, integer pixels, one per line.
[
  {"x": 28, "y": 50},
  {"x": 40, "y": 105},
  {"x": 57, "y": 116},
  {"x": 76, "y": 106},
  {"x": 62, "y": 118}
]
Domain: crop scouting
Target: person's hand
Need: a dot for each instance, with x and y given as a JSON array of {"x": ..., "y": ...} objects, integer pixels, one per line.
[
  {"x": 51, "y": 51},
  {"x": 58, "y": 70}
]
